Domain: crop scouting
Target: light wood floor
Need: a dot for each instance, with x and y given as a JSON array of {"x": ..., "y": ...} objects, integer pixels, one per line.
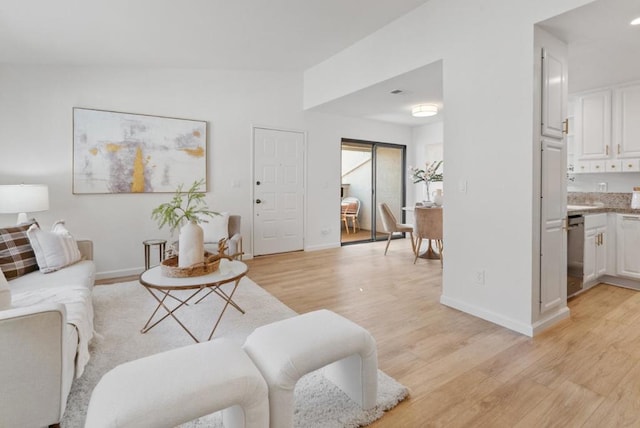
[{"x": 463, "y": 371}]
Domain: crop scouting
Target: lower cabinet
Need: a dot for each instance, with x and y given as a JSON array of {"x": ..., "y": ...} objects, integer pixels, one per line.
[
  {"x": 628, "y": 245},
  {"x": 595, "y": 247}
]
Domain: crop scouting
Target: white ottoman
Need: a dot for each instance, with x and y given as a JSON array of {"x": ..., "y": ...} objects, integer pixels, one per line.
[
  {"x": 286, "y": 350},
  {"x": 177, "y": 386}
]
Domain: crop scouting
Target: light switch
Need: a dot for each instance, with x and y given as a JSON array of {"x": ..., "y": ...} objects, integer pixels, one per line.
[{"x": 462, "y": 185}]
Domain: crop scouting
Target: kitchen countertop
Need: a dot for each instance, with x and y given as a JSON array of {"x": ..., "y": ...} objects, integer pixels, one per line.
[{"x": 594, "y": 209}]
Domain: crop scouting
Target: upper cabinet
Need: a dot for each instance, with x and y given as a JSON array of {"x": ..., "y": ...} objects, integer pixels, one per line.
[
  {"x": 593, "y": 125},
  {"x": 607, "y": 130},
  {"x": 554, "y": 97},
  {"x": 627, "y": 121}
]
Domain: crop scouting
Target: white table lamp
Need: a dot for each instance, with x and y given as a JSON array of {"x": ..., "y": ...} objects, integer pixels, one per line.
[{"x": 23, "y": 198}]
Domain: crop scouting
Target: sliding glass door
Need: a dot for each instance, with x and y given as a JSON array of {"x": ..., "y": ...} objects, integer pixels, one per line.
[{"x": 372, "y": 173}]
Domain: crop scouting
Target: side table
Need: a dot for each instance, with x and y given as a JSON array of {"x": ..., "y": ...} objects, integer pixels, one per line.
[{"x": 161, "y": 243}]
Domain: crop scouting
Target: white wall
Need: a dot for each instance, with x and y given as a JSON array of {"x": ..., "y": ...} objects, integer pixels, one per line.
[
  {"x": 36, "y": 138},
  {"x": 428, "y": 145},
  {"x": 36, "y": 141},
  {"x": 487, "y": 52},
  {"x": 325, "y": 138}
]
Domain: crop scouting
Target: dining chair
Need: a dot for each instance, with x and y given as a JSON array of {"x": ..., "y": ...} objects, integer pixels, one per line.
[
  {"x": 350, "y": 209},
  {"x": 391, "y": 225},
  {"x": 428, "y": 226}
]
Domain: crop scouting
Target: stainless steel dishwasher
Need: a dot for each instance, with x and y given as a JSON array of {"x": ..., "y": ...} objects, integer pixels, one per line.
[{"x": 575, "y": 254}]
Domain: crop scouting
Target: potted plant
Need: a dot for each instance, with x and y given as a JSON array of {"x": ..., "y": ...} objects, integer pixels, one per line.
[{"x": 184, "y": 211}]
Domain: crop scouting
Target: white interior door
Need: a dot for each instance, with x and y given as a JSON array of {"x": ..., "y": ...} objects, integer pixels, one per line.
[{"x": 278, "y": 191}]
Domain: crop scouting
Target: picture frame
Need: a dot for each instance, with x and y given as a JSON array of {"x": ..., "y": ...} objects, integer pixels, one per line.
[{"x": 116, "y": 152}]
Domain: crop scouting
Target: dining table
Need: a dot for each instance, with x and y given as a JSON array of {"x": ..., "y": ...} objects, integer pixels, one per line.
[{"x": 430, "y": 253}]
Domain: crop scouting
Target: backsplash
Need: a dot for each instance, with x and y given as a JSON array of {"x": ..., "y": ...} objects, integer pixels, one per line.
[{"x": 611, "y": 200}]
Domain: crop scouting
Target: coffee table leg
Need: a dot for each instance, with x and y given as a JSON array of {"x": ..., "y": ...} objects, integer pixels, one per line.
[
  {"x": 170, "y": 312},
  {"x": 228, "y": 300}
]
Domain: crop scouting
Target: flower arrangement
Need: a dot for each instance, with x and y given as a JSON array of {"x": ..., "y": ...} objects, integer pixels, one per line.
[
  {"x": 186, "y": 206},
  {"x": 429, "y": 174}
]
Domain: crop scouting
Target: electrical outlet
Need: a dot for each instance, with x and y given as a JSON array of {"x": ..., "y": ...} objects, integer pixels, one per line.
[{"x": 479, "y": 277}]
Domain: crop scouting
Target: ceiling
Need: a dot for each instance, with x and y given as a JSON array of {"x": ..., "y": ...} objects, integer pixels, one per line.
[
  {"x": 286, "y": 35},
  {"x": 420, "y": 86},
  {"x": 279, "y": 35},
  {"x": 603, "y": 50}
]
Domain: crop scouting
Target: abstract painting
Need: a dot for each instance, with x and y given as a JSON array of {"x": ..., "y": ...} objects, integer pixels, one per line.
[{"x": 135, "y": 153}]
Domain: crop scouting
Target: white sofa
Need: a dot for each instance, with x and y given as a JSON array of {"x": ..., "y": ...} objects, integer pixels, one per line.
[{"x": 41, "y": 351}]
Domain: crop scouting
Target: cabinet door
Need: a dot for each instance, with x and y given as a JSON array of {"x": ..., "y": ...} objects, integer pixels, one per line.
[
  {"x": 593, "y": 130},
  {"x": 628, "y": 245},
  {"x": 589, "y": 255},
  {"x": 627, "y": 127},
  {"x": 554, "y": 98}
]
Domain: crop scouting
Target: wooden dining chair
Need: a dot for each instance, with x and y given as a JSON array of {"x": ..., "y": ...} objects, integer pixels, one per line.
[
  {"x": 391, "y": 225},
  {"x": 428, "y": 226},
  {"x": 350, "y": 211}
]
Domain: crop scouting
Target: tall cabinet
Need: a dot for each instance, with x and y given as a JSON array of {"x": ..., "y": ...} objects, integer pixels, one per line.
[{"x": 554, "y": 123}]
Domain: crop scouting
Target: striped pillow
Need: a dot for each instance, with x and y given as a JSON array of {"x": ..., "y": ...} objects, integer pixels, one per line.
[
  {"x": 16, "y": 254},
  {"x": 54, "y": 250}
]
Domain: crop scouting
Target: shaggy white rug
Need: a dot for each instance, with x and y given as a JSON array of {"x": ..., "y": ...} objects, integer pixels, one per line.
[{"x": 122, "y": 309}]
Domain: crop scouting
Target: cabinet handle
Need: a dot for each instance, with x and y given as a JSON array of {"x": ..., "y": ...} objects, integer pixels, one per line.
[
  {"x": 565, "y": 126},
  {"x": 618, "y": 148},
  {"x": 630, "y": 165},
  {"x": 606, "y": 150},
  {"x": 632, "y": 218},
  {"x": 597, "y": 166},
  {"x": 613, "y": 167}
]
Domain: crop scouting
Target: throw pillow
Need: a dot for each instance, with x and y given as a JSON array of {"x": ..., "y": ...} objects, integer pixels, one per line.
[
  {"x": 5, "y": 293},
  {"x": 216, "y": 228},
  {"x": 54, "y": 250},
  {"x": 16, "y": 254}
]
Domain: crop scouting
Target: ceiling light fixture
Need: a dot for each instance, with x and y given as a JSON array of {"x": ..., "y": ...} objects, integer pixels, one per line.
[
  {"x": 636, "y": 21},
  {"x": 424, "y": 110}
]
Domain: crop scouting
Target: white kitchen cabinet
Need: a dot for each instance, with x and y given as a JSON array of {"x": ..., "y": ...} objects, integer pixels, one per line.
[
  {"x": 627, "y": 122},
  {"x": 613, "y": 166},
  {"x": 631, "y": 165},
  {"x": 628, "y": 246},
  {"x": 595, "y": 247},
  {"x": 597, "y": 166},
  {"x": 593, "y": 125}
]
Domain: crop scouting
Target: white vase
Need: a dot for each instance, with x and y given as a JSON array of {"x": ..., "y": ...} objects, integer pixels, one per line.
[
  {"x": 190, "y": 245},
  {"x": 437, "y": 198},
  {"x": 427, "y": 193}
]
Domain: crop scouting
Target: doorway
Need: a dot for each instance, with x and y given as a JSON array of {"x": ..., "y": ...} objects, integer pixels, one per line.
[{"x": 372, "y": 172}]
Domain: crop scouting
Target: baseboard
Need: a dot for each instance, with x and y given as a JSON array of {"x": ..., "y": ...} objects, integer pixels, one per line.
[
  {"x": 321, "y": 247},
  {"x": 493, "y": 317},
  {"x": 550, "y": 320},
  {"x": 619, "y": 281},
  {"x": 110, "y": 274}
]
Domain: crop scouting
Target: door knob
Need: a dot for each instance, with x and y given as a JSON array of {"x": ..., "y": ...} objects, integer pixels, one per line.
[
  {"x": 258, "y": 201},
  {"x": 257, "y": 183}
]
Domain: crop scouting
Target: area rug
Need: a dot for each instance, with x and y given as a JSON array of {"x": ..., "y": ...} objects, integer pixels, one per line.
[{"x": 122, "y": 309}]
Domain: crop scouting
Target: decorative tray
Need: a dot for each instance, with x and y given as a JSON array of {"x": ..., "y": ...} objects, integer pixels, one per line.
[{"x": 170, "y": 267}]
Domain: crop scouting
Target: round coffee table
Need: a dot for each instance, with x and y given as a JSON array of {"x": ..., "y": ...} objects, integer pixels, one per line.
[{"x": 160, "y": 287}]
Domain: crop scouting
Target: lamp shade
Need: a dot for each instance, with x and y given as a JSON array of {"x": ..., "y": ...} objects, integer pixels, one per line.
[
  {"x": 23, "y": 198},
  {"x": 424, "y": 110}
]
